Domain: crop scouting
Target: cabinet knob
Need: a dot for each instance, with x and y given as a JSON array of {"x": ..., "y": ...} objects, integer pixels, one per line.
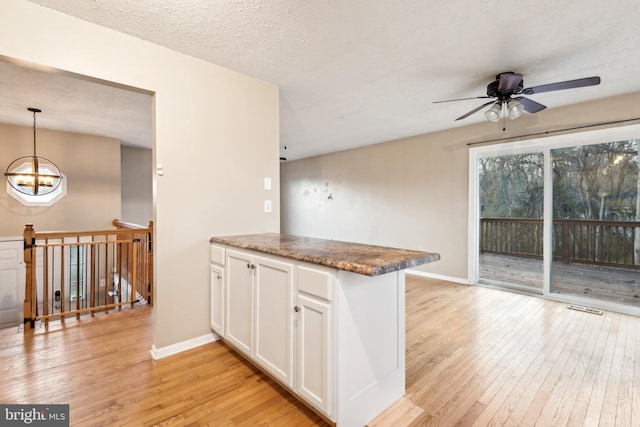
[
  {"x": 219, "y": 277},
  {"x": 296, "y": 308},
  {"x": 248, "y": 265}
]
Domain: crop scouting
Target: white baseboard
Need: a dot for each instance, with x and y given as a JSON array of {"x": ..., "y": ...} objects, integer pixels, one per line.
[
  {"x": 170, "y": 350},
  {"x": 438, "y": 277}
]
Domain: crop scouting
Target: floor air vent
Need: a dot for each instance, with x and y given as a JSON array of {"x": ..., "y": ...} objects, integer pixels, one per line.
[{"x": 585, "y": 309}]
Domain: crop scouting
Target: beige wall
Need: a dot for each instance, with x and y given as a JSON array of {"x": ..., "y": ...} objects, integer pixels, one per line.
[
  {"x": 91, "y": 165},
  {"x": 413, "y": 193},
  {"x": 137, "y": 185},
  {"x": 216, "y": 135}
]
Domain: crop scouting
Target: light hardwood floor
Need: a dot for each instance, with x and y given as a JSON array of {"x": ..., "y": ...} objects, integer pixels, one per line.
[{"x": 475, "y": 356}]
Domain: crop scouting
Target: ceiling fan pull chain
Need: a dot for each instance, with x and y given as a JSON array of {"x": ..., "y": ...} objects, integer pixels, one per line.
[{"x": 504, "y": 120}]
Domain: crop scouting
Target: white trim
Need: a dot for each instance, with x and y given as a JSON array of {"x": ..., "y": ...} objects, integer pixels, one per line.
[
  {"x": 512, "y": 287},
  {"x": 547, "y": 220},
  {"x": 438, "y": 276},
  {"x": 473, "y": 244},
  {"x": 170, "y": 350}
]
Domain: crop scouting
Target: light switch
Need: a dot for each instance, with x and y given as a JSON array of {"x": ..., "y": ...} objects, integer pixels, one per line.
[
  {"x": 267, "y": 183},
  {"x": 267, "y": 205}
]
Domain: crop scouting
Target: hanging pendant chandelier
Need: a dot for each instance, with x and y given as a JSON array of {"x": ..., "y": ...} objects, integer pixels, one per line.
[{"x": 33, "y": 175}]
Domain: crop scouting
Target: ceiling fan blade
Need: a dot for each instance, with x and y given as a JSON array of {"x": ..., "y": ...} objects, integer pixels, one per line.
[
  {"x": 529, "y": 105},
  {"x": 461, "y": 99},
  {"x": 509, "y": 82},
  {"x": 569, "y": 84},
  {"x": 474, "y": 110}
]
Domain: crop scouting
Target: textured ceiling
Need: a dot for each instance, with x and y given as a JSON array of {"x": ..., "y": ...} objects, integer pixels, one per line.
[
  {"x": 75, "y": 105},
  {"x": 358, "y": 72}
]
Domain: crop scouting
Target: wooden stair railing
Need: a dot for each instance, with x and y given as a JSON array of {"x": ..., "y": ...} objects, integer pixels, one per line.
[
  {"x": 77, "y": 272},
  {"x": 144, "y": 268}
]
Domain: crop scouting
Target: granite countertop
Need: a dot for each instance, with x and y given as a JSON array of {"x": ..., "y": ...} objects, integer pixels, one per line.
[{"x": 369, "y": 260}]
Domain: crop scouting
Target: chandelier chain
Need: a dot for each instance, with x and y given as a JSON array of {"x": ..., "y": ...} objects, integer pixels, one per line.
[{"x": 34, "y": 133}]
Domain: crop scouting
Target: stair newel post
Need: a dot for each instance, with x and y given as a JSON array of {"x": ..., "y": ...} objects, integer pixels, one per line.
[{"x": 29, "y": 315}]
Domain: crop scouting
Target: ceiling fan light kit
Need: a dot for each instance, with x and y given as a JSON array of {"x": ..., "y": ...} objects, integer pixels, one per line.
[
  {"x": 514, "y": 108},
  {"x": 493, "y": 113},
  {"x": 508, "y": 87}
]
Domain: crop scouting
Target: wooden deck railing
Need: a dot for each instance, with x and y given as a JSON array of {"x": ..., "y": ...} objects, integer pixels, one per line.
[
  {"x": 73, "y": 273},
  {"x": 609, "y": 243}
]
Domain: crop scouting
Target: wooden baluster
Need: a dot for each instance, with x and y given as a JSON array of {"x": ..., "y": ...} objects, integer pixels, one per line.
[
  {"x": 92, "y": 296},
  {"x": 134, "y": 273},
  {"x": 62, "y": 282},
  {"x": 78, "y": 278},
  {"x": 45, "y": 285},
  {"x": 119, "y": 255}
]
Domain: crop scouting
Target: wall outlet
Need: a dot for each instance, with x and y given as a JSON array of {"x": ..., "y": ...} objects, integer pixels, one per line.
[{"x": 267, "y": 205}]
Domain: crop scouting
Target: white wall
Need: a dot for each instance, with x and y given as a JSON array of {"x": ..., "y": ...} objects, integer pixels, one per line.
[
  {"x": 137, "y": 185},
  {"x": 413, "y": 193},
  {"x": 91, "y": 165},
  {"x": 216, "y": 135}
]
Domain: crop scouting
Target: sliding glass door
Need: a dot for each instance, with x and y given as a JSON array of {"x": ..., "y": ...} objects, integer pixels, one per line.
[
  {"x": 596, "y": 242},
  {"x": 560, "y": 217},
  {"x": 511, "y": 194}
]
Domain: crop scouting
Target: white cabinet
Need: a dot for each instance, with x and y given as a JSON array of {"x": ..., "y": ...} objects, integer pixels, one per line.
[
  {"x": 12, "y": 277},
  {"x": 239, "y": 301},
  {"x": 273, "y": 338},
  {"x": 315, "y": 337},
  {"x": 216, "y": 281},
  {"x": 334, "y": 338},
  {"x": 217, "y": 289},
  {"x": 259, "y": 311}
]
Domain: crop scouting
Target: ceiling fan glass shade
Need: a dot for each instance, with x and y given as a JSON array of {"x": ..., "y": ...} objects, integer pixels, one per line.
[
  {"x": 33, "y": 176},
  {"x": 493, "y": 113},
  {"x": 514, "y": 108}
]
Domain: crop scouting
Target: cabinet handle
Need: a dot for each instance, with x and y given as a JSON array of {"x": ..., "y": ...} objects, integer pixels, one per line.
[{"x": 296, "y": 308}]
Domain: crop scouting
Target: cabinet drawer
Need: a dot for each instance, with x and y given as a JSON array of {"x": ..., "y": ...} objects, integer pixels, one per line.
[
  {"x": 217, "y": 254},
  {"x": 315, "y": 282}
]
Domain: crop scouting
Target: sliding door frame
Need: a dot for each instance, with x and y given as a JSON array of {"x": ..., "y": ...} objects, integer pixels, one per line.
[{"x": 544, "y": 145}]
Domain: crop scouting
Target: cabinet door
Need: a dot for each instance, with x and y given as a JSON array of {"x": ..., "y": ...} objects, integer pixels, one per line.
[
  {"x": 216, "y": 281},
  {"x": 12, "y": 277},
  {"x": 314, "y": 352},
  {"x": 239, "y": 301},
  {"x": 273, "y": 344}
]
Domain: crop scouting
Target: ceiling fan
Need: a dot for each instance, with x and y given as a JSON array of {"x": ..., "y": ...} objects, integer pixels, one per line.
[{"x": 508, "y": 87}]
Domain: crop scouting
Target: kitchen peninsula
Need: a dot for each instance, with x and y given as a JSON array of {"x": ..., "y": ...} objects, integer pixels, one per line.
[{"x": 325, "y": 318}]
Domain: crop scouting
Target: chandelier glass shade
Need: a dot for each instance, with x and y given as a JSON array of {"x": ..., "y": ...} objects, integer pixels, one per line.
[{"x": 33, "y": 175}]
